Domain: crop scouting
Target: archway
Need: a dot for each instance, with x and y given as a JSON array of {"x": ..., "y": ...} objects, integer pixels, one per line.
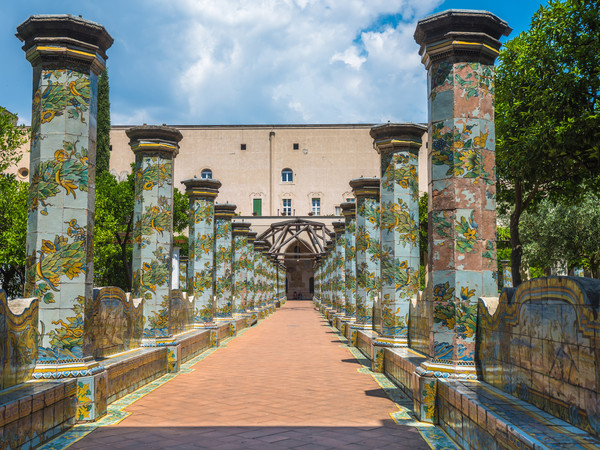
[{"x": 299, "y": 270}]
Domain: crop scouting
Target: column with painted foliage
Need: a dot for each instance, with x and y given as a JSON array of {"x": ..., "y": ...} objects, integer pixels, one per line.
[
  {"x": 458, "y": 49},
  {"x": 240, "y": 232},
  {"x": 398, "y": 146},
  {"x": 224, "y": 304},
  {"x": 366, "y": 192},
  {"x": 67, "y": 54},
  {"x": 250, "y": 271},
  {"x": 349, "y": 212},
  {"x": 339, "y": 228},
  {"x": 201, "y": 193},
  {"x": 155, "y": 148}
]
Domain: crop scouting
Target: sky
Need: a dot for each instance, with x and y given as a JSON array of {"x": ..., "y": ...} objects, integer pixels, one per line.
[{"x": 231, "y": 62}]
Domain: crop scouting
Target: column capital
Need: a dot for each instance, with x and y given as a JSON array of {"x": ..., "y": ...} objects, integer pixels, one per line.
[
  {"x": 240, "y": 228},
  {"x": 252, "y": 236},
  {"x": 63, "y": 40},
  {"x": 365, "y": 187},
  {"x": 395, "y": 137},
  {"x": 339, "y": 227},
  {"x": 460, "y": 35},
  {"x": 154, "y": 139},
  {"x": 348, "y": 210},
  {"x": 202, "y": 188},
  {"x": 224, "y": 211}
]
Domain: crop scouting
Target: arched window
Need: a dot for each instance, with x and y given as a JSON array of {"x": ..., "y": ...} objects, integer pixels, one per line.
[
  {"x": 206, "y": 174},
  {"x": 287, "y": 176}
]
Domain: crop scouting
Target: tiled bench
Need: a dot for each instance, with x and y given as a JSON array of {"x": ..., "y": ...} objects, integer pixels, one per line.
[
  {"x": 477, "y": 415},
  {"x": 34, "y": 412}
]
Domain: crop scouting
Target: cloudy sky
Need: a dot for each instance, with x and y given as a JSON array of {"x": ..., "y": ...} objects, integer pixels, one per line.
[{"x": 252, "y": 61}]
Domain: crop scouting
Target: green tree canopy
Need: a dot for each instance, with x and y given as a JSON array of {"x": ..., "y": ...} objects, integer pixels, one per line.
[
  {"x": 558, "y": 233},
  {"x": 548, "y": 112},
  {"x": 103, "y": 125}
]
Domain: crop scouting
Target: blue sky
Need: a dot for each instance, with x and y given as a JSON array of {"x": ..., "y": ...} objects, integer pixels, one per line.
[{"x": 252, "y": 61}]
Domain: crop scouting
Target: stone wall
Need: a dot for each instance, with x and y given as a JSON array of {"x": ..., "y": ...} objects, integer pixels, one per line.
[{"x": 539, "y": 342}]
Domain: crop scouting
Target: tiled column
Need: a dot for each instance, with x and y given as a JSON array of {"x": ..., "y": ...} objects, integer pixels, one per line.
[
  {"x": 259, "y": 272},
  {"x": 154, "y": 147},
  {"x": 67, "y": 54},
  {"x": 339, "y": 228},
  {"x": 349, "y": 212},
  {"x": 398, "y": 146},
  {"x": 317, "y": 271},
  {"x": 459, "y": 48},
  {"x": 240, "y": 232},
  {"x": 507, "y": 274},
  {"x": 328, "y": 294},
  {"x": 201, "y": 193},
  {"x": 366, "y": 192},
  {"x": 224, "y": 212},
  {"x": 251, "y": 272}
]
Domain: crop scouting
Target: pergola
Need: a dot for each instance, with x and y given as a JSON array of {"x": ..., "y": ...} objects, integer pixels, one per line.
[{"x": 311, "y": 234}]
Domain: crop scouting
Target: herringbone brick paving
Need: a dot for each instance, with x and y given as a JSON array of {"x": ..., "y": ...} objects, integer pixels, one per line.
[{"x": 287, "y": 383}]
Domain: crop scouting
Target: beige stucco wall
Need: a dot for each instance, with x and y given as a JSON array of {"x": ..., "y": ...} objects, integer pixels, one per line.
[{"x": 329, "y": 156}]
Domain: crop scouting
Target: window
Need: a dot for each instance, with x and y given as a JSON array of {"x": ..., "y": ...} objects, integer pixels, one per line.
[
  {"x": 287, "y": 206},
  {"x": 287, "y": 176},
  {"x": 257, "y": 207},
  {"x": 206, "y": 174},
  {"x": 338, "y": 211},
  {"x": 350, "y": 200},
  {"x": 316, "y": 206},
  {"x": 296, "y": 146},
  {"x": 242, "y": 146}
]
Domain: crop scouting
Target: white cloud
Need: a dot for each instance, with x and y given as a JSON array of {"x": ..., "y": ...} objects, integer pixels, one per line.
[{"x": 286, "y": 61}]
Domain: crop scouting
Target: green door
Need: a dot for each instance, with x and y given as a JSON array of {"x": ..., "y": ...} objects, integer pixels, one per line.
[{"x": 257, "y": 206}]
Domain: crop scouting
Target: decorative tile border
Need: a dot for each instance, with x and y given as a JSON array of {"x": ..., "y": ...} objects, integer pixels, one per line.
[
  {"x": 115, "y": 413},
  {"x": 435, "y": 437}
]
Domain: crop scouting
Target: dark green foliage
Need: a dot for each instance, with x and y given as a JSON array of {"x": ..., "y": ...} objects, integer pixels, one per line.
[
  {"x": 103, "y": 136},
  {"x": 13, "y": 234},
  {"x": 548, "y": 112}
]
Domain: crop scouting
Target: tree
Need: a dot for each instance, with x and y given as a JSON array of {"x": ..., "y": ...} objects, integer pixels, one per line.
[
  {"x": 12, "y": 137},
  {"x": 13, "y": 207},
  {"x": 13, "y": 234},
  {"x": 548, "y": 112},
  {"x": 558, "y": 233},
  {"x": 103, "y": 124}
]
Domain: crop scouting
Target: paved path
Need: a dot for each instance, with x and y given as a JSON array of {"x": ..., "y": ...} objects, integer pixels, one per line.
[{"x": 287, "y": 383}]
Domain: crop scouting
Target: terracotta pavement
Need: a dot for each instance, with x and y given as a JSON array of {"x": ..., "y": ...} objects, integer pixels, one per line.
[{"x": 285, "y": 383}]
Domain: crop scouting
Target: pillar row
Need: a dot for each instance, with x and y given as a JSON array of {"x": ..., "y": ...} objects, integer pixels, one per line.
[
  {"x": 339, "y": 283},
  {"x": 224, "y": 304},
  {"x": 398, "y": 146},
  {"x": 349, "y": 212},
  {"x": 366, "y": 192},
  {"x": 155, "y": 148},
  {"x": 201, "y": 193},
  {"x": 240, "y": 232}
]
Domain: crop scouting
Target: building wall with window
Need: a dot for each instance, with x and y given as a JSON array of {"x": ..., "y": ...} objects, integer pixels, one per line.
[{"x": 249, "y": 160}]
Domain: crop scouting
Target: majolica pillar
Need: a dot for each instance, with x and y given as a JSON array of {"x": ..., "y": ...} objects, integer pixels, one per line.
[
  {"x": 339, "y": 228},
  {"x": 251, "y": 272},
  {"x": 366, "y": 192},
  {"x": 240, "y": 232},
  {"x": 259, "y": 273},
  {"x": 224, "y": 212},
  {"x": 507, "y": 274},
  {"x": 349, "y": 212},
  {"x": 67, "y": 54},
  {"x": 201, "y": 193},
  {"x": 398, "y": 146},
  {"x": 458, "y": 49},
  {"x": 327, "y": 274},
  {"x": 155, "y": 148}
]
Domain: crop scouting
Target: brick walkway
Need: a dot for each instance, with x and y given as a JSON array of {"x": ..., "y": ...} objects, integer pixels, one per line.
[{"x": 287, "y": 383}]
